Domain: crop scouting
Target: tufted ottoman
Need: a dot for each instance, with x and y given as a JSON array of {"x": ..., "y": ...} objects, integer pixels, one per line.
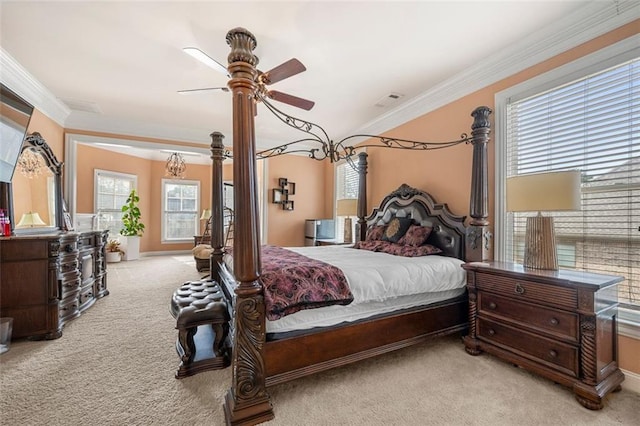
[{"x": 202, "y": 320}]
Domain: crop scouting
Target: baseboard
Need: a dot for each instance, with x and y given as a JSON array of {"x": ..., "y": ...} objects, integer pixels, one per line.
[{"x": 631, "y": 381}]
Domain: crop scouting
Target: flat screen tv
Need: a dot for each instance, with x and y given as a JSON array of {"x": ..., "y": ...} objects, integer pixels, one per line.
[{"x": 15, "y": 114}]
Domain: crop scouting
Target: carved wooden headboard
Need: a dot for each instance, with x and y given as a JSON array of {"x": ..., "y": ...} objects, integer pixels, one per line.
[{"x": 448, "y": 229}]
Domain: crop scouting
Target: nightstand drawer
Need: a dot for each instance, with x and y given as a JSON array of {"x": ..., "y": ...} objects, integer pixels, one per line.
[
  {"x": 528, "y": 291},
  {"x": 561, "y": 356},
  {"x": 549, "y": 320}
]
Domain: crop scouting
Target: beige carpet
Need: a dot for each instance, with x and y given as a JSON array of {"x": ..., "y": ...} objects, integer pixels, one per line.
[{"x": 114, "y": 365}]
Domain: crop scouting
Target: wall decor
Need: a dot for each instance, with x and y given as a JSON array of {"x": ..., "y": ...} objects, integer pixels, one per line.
[{"x": 282, "y": 193}]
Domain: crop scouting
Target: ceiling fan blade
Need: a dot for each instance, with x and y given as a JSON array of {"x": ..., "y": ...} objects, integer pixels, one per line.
[
  {"x": 282, "y": 71},
  {"x": 204, "y": 89},
  {"x": 291, "y": 100},
  {"x": 206, "y": 59}
]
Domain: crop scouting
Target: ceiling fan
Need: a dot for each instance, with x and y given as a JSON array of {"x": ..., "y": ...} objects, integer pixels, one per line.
[{"x": 279, "y": 73}]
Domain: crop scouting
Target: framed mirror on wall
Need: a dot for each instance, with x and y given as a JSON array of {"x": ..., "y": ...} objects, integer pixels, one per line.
[{"x": 37, "y": 204}]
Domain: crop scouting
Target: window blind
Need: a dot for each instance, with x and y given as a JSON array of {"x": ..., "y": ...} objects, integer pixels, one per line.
[{"x": 592, "y": 125}]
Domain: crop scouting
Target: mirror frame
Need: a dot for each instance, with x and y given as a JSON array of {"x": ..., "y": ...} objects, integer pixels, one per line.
[{"x": 35, "y": 142}]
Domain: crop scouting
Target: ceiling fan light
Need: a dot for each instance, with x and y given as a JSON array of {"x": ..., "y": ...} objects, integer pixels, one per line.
[{"x": 205, "y": 59}]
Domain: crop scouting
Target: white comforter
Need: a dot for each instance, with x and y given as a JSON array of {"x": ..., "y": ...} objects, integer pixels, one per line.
[
  {"x": 376, "y": 276},
  {"x": 380, "y": 283}
]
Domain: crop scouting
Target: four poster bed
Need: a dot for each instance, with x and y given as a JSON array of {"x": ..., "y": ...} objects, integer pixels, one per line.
[{"x": 268, "y": 350}]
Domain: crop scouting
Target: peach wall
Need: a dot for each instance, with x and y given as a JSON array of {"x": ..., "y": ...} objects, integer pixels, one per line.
[
  {"x": 286, "y": 228},
  {"x": 150, "y": 174},
  {"x": 447, "y": 174},
  {"x": 629, "y": 353}
]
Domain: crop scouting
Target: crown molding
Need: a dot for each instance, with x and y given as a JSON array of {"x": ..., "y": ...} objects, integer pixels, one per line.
[
  {"x": 591, "y": 21},
  {"x": 18, "y": 79}
]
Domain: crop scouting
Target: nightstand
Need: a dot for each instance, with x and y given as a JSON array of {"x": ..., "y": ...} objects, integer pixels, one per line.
[{"x": 559, "y": 324}]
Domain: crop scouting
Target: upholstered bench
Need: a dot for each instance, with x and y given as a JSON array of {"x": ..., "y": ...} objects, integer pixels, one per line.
[{"x": 202, "y": 320}]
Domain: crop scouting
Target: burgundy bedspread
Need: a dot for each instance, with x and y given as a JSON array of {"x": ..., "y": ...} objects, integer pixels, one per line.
[{"x": 293, "y": 282}]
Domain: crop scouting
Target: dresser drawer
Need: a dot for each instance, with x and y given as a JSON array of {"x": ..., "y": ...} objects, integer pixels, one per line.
[
  {"x": 68, "y": 308},
  {"x": 528, "y": 291},
  {"x": 561, "y": 356},
  {"x": 558, "y": 323},
  {"x": 68, "y": 286}
]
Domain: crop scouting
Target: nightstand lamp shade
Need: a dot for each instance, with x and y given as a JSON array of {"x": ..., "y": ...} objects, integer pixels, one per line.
[
  {"x": 347, "y": 207},
  {"x": 206, "y": 214},
  {"x": 553, "y": 191},
  {"x": 29, "y": 220}
]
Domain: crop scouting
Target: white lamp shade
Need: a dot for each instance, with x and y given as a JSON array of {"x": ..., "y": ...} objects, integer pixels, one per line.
[
  {"x": 347, "y": 207},
  {"x": 206, "y": 214},
  {"x": 552, "y": 191},
  {"x": 30, "y": 219}
]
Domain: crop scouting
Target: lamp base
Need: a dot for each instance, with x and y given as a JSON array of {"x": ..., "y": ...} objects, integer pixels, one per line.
[
  {"x": 540, "y": 244},
  {"x": 348, "y": 231}
]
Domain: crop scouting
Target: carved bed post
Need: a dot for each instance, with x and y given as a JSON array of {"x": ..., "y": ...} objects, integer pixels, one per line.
[
  {"x": 217, "y": 205},
  {"x": 478, "y": 236},
  {"x": 247, "y": 402},
  {"x": 362, "y": 195}
]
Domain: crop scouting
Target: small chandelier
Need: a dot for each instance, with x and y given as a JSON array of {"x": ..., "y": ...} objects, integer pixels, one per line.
[
  {"x": 175, "y": 166},
  {"x": 30, "y": 163}
]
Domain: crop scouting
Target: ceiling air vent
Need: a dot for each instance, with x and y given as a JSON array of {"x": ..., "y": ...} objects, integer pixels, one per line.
[
  {"x": 389, "y": 100},
  {"x": 84, "y": 106}
]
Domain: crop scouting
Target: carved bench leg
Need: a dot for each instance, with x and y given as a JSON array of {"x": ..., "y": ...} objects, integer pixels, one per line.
[
  {"x": 185, "y": 339},
  {"x": 221, "y": 331}
]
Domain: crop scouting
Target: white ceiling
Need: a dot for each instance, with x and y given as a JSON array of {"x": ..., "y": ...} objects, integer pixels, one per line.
[{"x": 125, "y": 61}]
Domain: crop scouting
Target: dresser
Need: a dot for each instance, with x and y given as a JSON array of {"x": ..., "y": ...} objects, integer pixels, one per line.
[
  {"x": 48, "y": 280},
  {"x": 559, "y": 324}
]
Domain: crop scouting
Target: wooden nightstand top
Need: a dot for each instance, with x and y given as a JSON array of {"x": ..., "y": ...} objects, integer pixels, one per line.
[{"x": 563, "y": 277}]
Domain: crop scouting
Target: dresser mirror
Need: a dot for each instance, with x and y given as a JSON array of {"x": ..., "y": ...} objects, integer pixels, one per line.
[{"x": 37, "y": 189}]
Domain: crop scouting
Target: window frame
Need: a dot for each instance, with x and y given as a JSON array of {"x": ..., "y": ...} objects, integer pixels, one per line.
[
  {"x": 118, "y": 175},
  {"x": 163, "y": 211},
  {"x": 615, "y": 54},
  {"x": 339, "y": 224}
]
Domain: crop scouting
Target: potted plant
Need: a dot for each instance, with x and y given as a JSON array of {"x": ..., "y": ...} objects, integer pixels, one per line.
[
  {"x": 132, "y": 228},
  {"x": 113, "y": 251}
]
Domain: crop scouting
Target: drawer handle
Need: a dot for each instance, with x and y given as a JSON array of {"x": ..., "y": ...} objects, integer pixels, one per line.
[
  {"x": 553, "y": 353},
  {"x": 491, "y": 332},
  {"x": 519, "y": 289},
  {"x": 554, "y": 321},
  {"x": 492, "y": 305}
]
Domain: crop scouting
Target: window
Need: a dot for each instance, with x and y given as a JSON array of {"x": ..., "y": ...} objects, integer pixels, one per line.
[
  {"x": 589, "y": 123},
  {"x": 111, "y": 192},
  {"x": 180, "y": 206},
  {"x": 346, "y": 187}
]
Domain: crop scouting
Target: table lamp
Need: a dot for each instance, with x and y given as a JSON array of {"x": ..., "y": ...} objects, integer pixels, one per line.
[
  {"x": 552, "y": 191},
  {"x": 29, "y": 220},
  {"x": 347, "y": 207}
]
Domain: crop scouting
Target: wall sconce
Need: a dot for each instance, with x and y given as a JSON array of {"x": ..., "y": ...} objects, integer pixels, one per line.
[
  {"x": 175, "y": 166},
  {"x": 30, "y": 163},
  {"x": 281, "y": 194},
  {"x": 554, "y": 191}
]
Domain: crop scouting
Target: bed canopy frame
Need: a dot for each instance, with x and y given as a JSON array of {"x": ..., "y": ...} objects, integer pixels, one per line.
[{"x": 247, "y": 401}]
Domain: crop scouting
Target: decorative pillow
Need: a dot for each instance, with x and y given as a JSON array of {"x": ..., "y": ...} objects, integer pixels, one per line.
[
  {"x": 397, "y": 249},
  {"x": 396, "y": 228},
  {"x": 374, "y": 245},
  {"x": 375, "y": 233},
  {"x": 412, "y": 251},
  {"x": 416, "y": 235}
]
